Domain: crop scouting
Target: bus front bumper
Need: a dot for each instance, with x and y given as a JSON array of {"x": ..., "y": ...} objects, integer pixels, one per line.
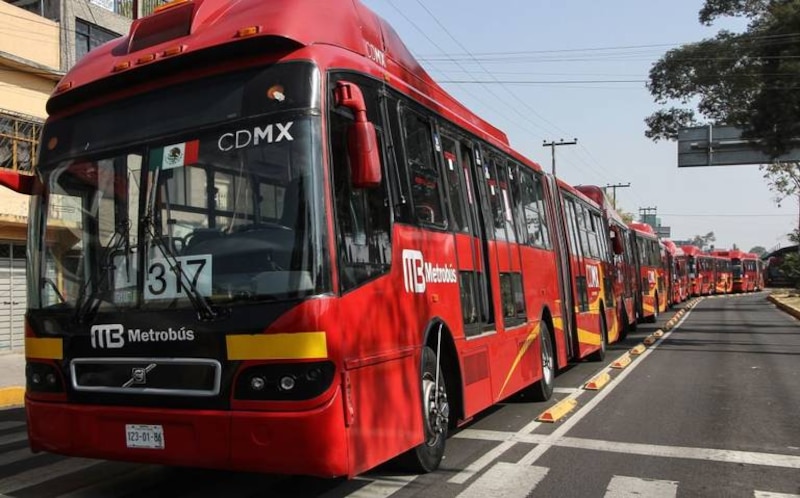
[{"x": 311, "y": 442}]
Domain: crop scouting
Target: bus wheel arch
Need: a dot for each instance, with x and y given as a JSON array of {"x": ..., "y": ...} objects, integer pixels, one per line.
[
  {"x": 600, "y": 354},
  {"x": 542, "y": 389},
  {"x": 442, "y": 404}
]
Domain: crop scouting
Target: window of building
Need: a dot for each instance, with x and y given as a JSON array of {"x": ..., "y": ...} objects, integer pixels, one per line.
[
  {"x": 19, "y": 137},
  {"x": 89, "y": 36}
]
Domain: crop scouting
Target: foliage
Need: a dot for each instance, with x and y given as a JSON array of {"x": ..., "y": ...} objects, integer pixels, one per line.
[
  {"x": 703, "y": 241},
  {"x": 748, "y": 79},
  {"x": 783, "y": 179},
  {"x": 759, "y": 250}
]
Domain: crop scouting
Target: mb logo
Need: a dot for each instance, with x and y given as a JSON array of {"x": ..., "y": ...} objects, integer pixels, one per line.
[
  {"x": 413, "y": 271},
  {"x": 107, "y": 336}
]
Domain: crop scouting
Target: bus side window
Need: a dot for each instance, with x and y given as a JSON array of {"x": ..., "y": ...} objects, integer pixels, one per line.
[
  {"x": 363, "y": 220},
  {"x": 423, "y": 174}
]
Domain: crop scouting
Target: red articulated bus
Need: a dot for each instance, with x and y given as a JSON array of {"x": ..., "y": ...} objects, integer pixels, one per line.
[
  {"x": 701, "y": 271},
  {"x": 589, "y": 270},
  {"x": 652, "y": 294},
  {"x": 723, "y": 274},
  {"x": 262, "y": 238},
  {"x": 623, "y": 271},
  {"x": 678, "y": 272}
]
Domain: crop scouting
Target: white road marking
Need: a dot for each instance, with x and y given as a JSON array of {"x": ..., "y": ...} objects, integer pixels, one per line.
[
  {"x": 383, "y": 487},
  {"x": 537, "y": 452},
  {"x": 767, "y": 494},
  {"x": 506, "y": 480},
  {"x": 39, "y": 475},
  {"x": 11, "y": 424},
  {"x": 654, "y": 450},
  {"x": 8, "y": 457},
  {"x": 565, "y": 390},
  {"x": 684, "y": 452},
  {"x": 624, "y": 487},
  {"x": 493, "y": 454}
]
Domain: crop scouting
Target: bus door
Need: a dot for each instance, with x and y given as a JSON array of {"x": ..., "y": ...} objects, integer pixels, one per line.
[
  {"x": 473, "y": 256},
  {"x": 574, "y": 220},
  {"x": 565, "y": 277}
]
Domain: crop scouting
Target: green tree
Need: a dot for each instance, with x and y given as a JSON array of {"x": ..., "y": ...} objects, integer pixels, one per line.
[
  {"x": 759, "y": 250},
  {"x": 748, "y": 79},
  {"x": 703, "y": 241}
]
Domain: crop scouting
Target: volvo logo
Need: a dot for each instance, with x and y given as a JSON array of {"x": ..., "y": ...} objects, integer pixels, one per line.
[{"x": 139, "y": 375}]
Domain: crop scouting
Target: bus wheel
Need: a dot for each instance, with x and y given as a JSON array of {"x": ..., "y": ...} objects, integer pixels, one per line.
[
  {"x": 435, "y": 414},
  {"x": 600, "y": 354},
  {"x": 542, "y": 390}
]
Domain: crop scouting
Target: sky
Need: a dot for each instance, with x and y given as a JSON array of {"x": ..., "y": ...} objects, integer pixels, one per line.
[{"x": 548, "y": 70}]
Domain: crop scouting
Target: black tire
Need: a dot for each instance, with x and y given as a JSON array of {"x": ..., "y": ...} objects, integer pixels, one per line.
[
  {"x": 435, "y": 415},
  {"x": 654, "y": 317},
  {"x": 543, "y": 389},
  {"x": 625, "y": 327},
  {"x": 600, "y": 354}
]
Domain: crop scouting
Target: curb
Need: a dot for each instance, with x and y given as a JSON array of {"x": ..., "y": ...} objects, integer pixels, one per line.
[
  {"x": 12, "y": 396},
  {"x": 784, "y": 307}
]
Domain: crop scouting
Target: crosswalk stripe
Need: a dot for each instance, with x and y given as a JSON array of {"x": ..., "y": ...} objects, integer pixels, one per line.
[
  {"x": 478, "y": 465},
  {"x": 8, "y": 457},
  {"x": 11, "y": 424},
  {"x": 767, "y": 494},
  {"x": 624, "y": 487},
  {"x": 506, "y": 480},
  {"x": 39, "y": 475},
  {"x": 13, "y": 438},
  {"x": 383, "y": 487}
]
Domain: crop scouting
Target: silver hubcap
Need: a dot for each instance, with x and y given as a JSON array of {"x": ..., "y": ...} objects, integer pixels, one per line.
[
  {"x": 547, "y": 361},
  {"x": 436, "y": 408}
]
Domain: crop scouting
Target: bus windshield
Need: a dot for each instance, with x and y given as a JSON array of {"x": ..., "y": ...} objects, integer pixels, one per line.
[{"x": 227, "y": 213}]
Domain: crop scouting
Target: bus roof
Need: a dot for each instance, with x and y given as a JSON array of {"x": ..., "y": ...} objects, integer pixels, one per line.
[
  {"x": 184, "y": 34},
  {"x": 598, "y": 195},
  {"x": 644, "y": 229}
]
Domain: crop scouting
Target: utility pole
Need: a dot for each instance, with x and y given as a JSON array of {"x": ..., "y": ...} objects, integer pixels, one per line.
[
  {"x": 552, "y": 146},
  {"x": 614, "y": 191},
  {"x": 644, "y": 214}
]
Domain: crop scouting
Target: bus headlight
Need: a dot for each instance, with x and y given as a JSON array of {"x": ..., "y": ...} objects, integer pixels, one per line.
[
  {"x": 284, "y": 381},
  {"x": 43, "y": 378}
]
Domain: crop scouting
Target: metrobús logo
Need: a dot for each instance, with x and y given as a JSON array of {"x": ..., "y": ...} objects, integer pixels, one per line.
[
  {"x": 417, "y": 274},
  {"x": 114, "y": 336}
]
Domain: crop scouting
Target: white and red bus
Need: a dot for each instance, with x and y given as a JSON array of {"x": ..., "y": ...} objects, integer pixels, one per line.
[
  {"x": 263, "y": 239},
  {"x": 652, "y": 292},
  {"x": 623, "y": 270}
]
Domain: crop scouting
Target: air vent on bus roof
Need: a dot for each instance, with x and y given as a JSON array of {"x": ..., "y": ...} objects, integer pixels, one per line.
[{"x": 163, "y": 26}]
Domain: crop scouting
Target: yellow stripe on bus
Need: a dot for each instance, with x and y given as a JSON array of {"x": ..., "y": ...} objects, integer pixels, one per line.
[
  {"x": 298, "y": 346},
  {"x": 40, "y": 348},
  {"x": 532, "y": 336},
  {"x": 586, "y": 337}
]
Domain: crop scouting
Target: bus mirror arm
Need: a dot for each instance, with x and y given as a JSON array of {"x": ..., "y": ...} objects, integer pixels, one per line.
[
  {"x": 362, "y": 139},
  {"x": 21, "y": 183}
]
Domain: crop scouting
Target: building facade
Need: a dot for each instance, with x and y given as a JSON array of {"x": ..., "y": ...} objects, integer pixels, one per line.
[{"x": 39, "y": 41}]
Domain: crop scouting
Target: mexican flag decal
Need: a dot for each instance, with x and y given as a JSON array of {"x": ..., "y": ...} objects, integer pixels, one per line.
[{"x": 175, "y": 155}]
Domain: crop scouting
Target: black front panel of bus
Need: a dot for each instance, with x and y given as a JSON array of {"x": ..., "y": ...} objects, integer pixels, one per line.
[{"x": 166, "y": 359}]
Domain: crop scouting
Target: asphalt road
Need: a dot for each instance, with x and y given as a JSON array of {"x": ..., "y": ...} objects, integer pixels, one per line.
[{"x": 711, "y": 409}]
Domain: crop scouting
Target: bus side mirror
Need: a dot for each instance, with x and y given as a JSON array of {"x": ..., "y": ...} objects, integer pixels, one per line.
[
  {"x": 362, "y": 139},
  {"x": 23, "y": 184},
  {"x": 616, "y": 241}
]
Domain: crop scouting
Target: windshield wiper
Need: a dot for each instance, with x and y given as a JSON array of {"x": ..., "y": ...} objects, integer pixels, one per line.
[
  {"x": 87, "y": 304},
  {"x": 205, "y": 311}
]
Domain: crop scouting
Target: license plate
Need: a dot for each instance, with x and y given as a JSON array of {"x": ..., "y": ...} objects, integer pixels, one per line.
[{"x": 144, "y": 436}]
